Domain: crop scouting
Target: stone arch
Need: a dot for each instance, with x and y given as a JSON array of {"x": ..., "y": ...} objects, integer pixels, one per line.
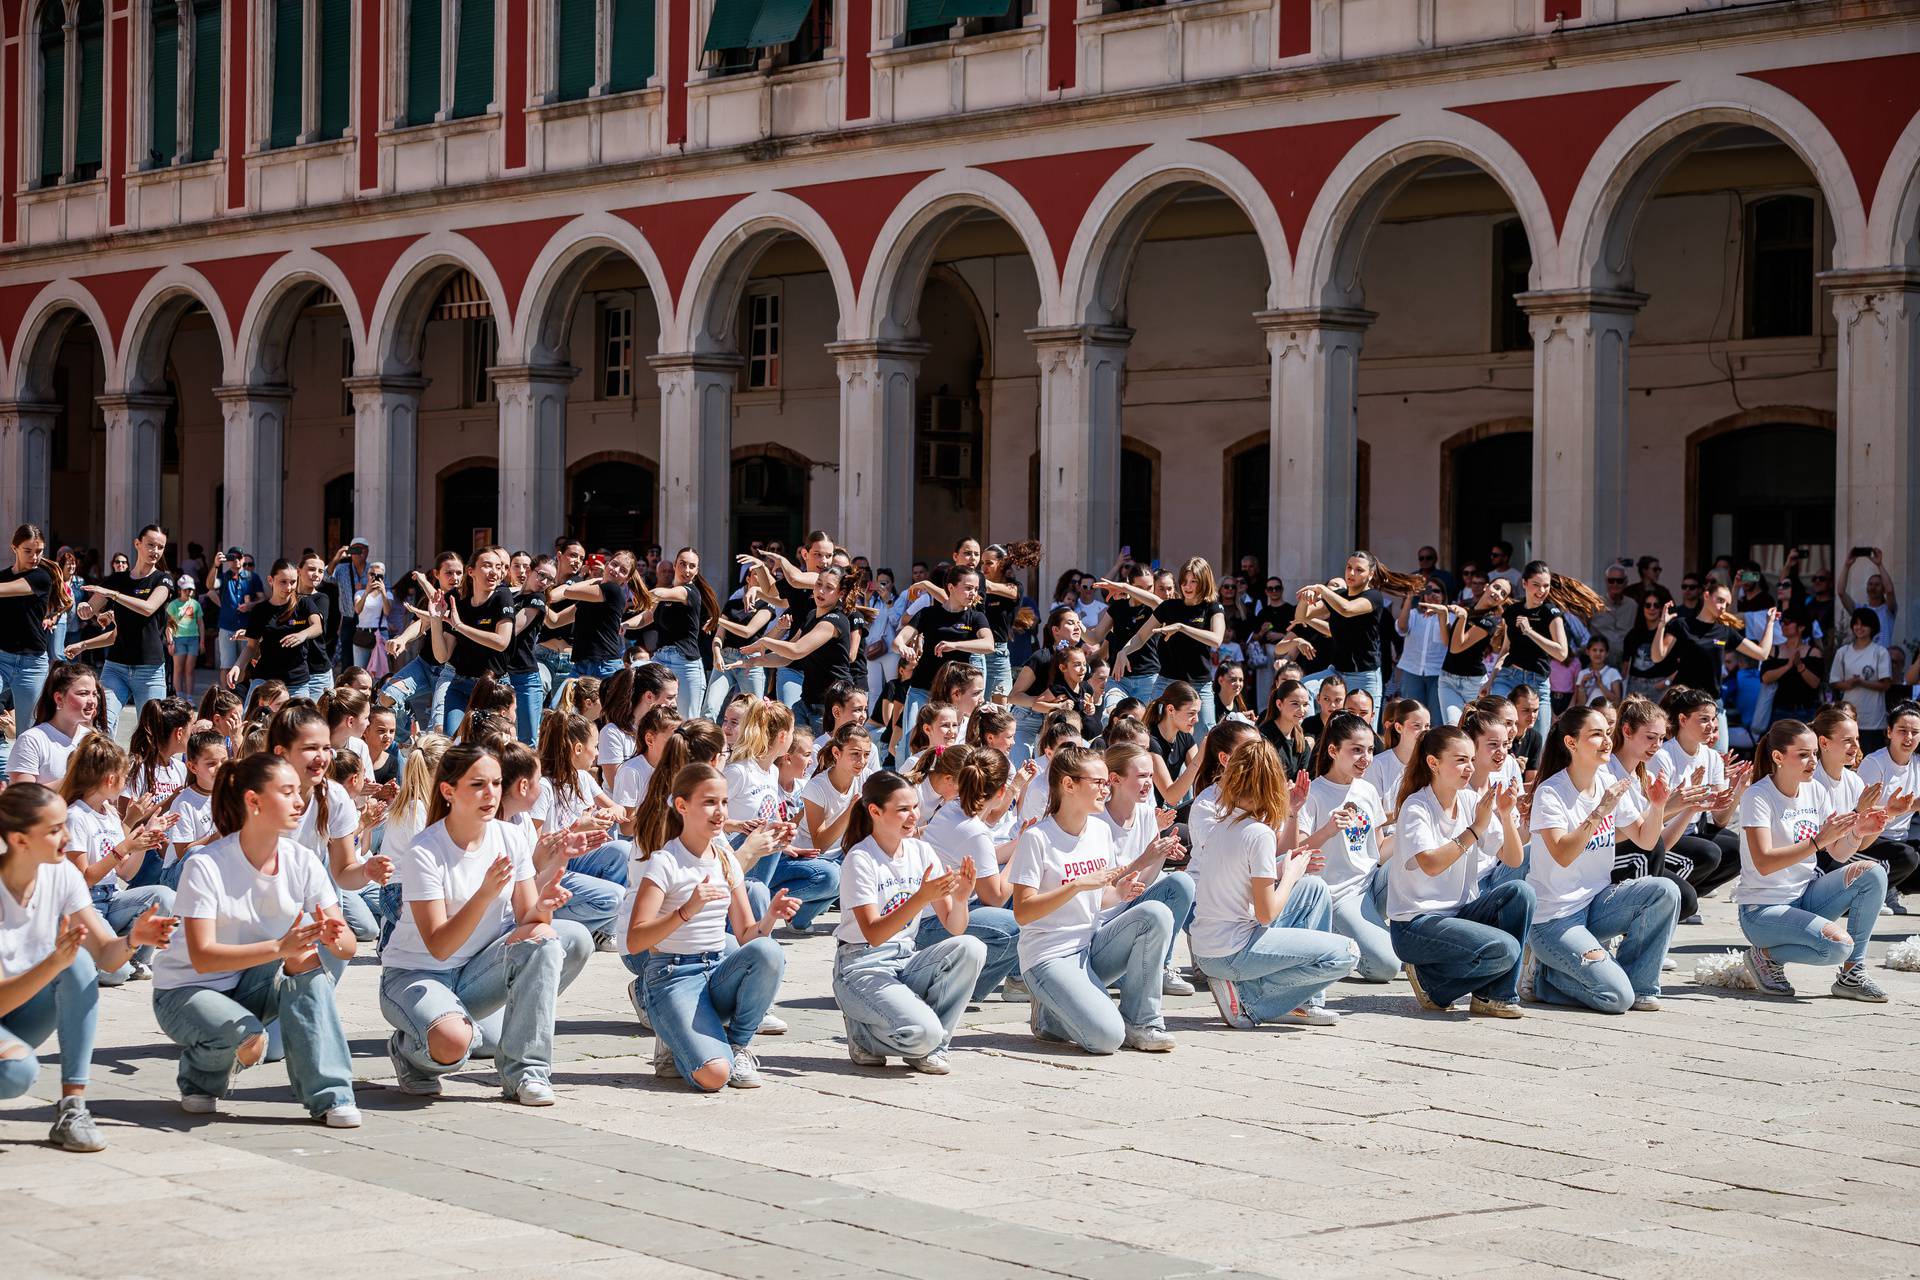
[
  {"x": 1893, "y": 230},
  {"x": 560, "y": 273},
  {"x": 406, "y": 300},
  {"x": 1333, "y": 241},
  {"x": 156, "y": 316},
  {"x": 1100, "y": 263},
  {"x": 726, "y": 259},
  {"x": 45, "y": 328},
  {"x": 912, "y": 235},
  {"x": 259, "y": 353},
  {"x": 1596, "y": 248}
]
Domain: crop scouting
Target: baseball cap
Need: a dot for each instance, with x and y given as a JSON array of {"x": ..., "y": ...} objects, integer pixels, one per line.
[
  {"x": 362, "y": 543},
  {"x": 186, "y": 582},
  {"x": 235, "y": 553}
]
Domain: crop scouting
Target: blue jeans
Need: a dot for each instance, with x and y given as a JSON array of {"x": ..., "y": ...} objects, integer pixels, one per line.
[
  {"x": 607, "y": 862},
  {"x": 210, "y": 1026},
  {"x": 787, "y": 685},
  {"x": 360, "y": 908},
  {"x": 599, "y": 669},
  {"x": 1174, "y": 891},
  {"x": 1370, "y": 681},
  {"x": 996, "y": 929},
  {"x": 1790, "y": 931},
  {"x": 528, "y": 695},
  {"x": 22, "y": 675},
  {"x": 1506, "y": 680},
  {"x": 1284, "y": 965},
  {"x": 1477, "y": 950},
  {"x": 1070, "y": 992},
  {"x": 1026, "y": 735},
  {"x": 1641, "y": 913},
  {"x": 418, "y": 694},
  {"x": 520, "y": 981},
  {"x": 1455, "y": 693},
  {"x": 130, "y": 686},
  {"x": 316, "y": 684},
  {"x": 999, "y": 670},
  {"x": 703, "y": 1007},
  {"x": 1209, "y": 713},
  {"x": 721, "y": 684},
  {"x": 904, "y": 1001},
  {"x": 595, "y": 902},
  {"x": 814, "y": 881},
  {"x": 1143, "y": 688},
  {"x": 1424, "y": 690},
  {"x": 1358, "y": 916},
  {"x": 917, "y": 700},
  {"x": 692, "y": 675},
  {"x": 68, "y": 1007},
  {"x": 459, "y": 692},
  {"x": 120, "y": 910}
]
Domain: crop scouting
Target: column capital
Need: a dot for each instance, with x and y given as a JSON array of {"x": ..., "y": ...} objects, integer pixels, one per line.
[
  {"x": 1281, "y": 319},
  {"x": 241, "y": 393},
  {"x": 1613, "y": 301},
  {"x": 563, "y": 373},
  {"x": 697, "y": 361},
  {"x": 27, "y": 409},
  {"x": 127, "y": 401},
  {"x": 1085, "y": 335},
  {"x": 384, "y": 384},
  {"x": 1870, "y": 280},
  {"x": 879, "y": 349}
]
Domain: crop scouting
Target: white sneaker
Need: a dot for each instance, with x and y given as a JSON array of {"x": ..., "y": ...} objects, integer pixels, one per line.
[
  {"x": 1226, "y": 998},
  {"x": 199, "y": 1104},
  {"x": 1172, "y": 984},
  {"x": 342, "y": 1117},
  {"x": 531, "y": 1093},
  {"x": 663, "y": 1064},
  {"x": 1148, "y": 1040},
  {"x": 771, "y": 1026},
  {"x": 1308, "y": 1015},
  {"x": 746, "y": 1071},
  {"x": 1668, "y": 964},
  {"x": 142, "y": 972},
  {"x": 1529, "y": 976},
  {"x": 934, "y": 1064}
]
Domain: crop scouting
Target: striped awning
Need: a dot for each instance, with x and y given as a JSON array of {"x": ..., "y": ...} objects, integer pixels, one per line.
[{"x": 462, "y": 299}]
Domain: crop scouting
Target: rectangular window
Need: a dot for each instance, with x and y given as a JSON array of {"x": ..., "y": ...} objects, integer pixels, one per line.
[
  {"x": 423, "y": 61},
  {"x": 1780, "y": 267},
  {"x": 473, "y": 60},
  {"x": 206, "y": 80},
  {"x": 575, "y": 38},
  {"x": 53, "y": 104},
  {"x": 482, "y": 354},
  {"x": 616, "y": 351},
  {"x": 763, "y": 341},
  {"x": 630, "y": 61},
  {"x": 336, "y": 66},
  {"x": 289, "y": 50},
  {"x": 166, "y": 85}
]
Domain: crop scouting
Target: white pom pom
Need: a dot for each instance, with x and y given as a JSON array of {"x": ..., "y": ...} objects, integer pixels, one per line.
[
  {"x": 1905, "y": 955},
  {"x": 1728, "y": 969}
]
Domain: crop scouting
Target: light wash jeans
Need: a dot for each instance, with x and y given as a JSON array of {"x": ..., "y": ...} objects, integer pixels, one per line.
[
  {"x": 1455, "y": 693},
  {"x": 459, "y": 693},
  {"x": 787, "y": 685},
  {"x": 1143, "y": 688},
  {"x": 1477, "y": 950},
  {"x": 703, "y": 1007},
  {"x": 723, "y": 684},
  {"x": 1286, "y": 964},
  {"x": 602, "y": 669},
  {"x": 1070, "y": 992},
  {"x": 1368, "y": 680},
  {"x": 606, "y": 862},
  {"x": 1506, "y": 680},
  {"x": 1174, "y": 891},
  {"x": 126, "y": 686},
  {"x": 360, "y": 908},
  {"x": 528, "y": 696},
  {"x": 999, "y": 668},
  {"x": 815, "y": 882},
  {"x": 1358, "y": 916},
  {"x": 317, "y": 683},
  {"x": 996, "y": 929},
  {"x": 210, "y": 1026},
  {"x": 68, "y": 1007},
  {"x": 120, "y": 909},
  {"x": 228, "y": 650},
  {"x": 1026, "y": 735},
  {"x": 1422, "y": 689},
  {"x": 1209, "y": 714},
  {"x": 519, "y": 980},
  {"x": 1641, "y": 913},
  {"x": 692, "y": 675},
  {"x": 418, "y": 693},
  {"x": 917, "y": 700},
  {"x": 903, "y": 1001},
  {"x": 22, "y": 676},
  {"x": 1790, "y": 931}
]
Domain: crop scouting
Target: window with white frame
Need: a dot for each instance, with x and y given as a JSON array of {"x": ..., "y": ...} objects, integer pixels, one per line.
[
  {"x": 447, "y": 72},
  {"x": 599, "y": 47},
  {"x": 616, "y": 350},
  {"x": 308, "y": 65},
  {"x": 762, "y": 339}
]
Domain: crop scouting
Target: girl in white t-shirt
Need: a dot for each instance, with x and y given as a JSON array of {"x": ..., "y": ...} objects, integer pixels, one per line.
[
  {"x": 258, "y": 914},
  {"x": 1221, "y": 742},
  {"x": 568, "y": 790},
  {"x": 1454, "y": 936},
  {"x": 826, "y": 801},
  {"x": 959, "y": 833},
  {"x": 630, "y": 783},
  {"x": 1789, "y": 911},
  {"x": 1581, "y": 811},
  {"x": 753, "y": 783},
  {"x": 1261, "y": 922},
  {"x": 1144, "y": 842},
  {"x": 1688, "y": 758},
  {"x": 704, "y": 996},
  {"x": 52, "y": 944},
  {"x": 1402, "y": 721},
  {"x": 1896, "y": 767},
  {"x": 476, "y": 937},
  {"x": 69, "y": 704},
  {"x": 1067, "y": 887},
  {"x": 1344, "y": 818},
  {"x": 900, "y": 999},
  {"x": 331, "y": 826},
  {"x": 192, "y": 804},
  {"x": 111, "y": 857},
  {"x": 157, "y": 751}
]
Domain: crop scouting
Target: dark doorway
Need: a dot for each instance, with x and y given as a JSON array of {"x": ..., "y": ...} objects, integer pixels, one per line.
[
  {"x": 611, "y": 506},
  {"x": 336, "y": 513},
  {"x": 1763, "y": 489},
  {"x": 1491, "y": 491},
  {"x": 469, "y": 508},
  {"x": 1247, "y": 532},
  {"x": 769, "y": 501}
]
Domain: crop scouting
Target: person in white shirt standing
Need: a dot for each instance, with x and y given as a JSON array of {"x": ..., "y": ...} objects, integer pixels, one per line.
[
  {"x": 1896, "y": 767},
  {"x": 1580, "y": 813},
  {"x": 1863, "y": 672},
  {"x": 1790, "y": 912}
]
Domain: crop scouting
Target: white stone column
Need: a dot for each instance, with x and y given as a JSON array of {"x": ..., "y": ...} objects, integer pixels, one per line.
[
  {"x": 1877, "y": 395},
  {"x": 26, "y": 465},
  {"x": 1580, "y": 347},
  {"x": 696, "y": 452},
  {"x": 533, "y": 453},
  {"x": 877, "y": 423},
  {"x": 1083, "y": 370},
  {"x": 1313, "y": 407},
  {"x": 253, "y": 475},
  {"x": 134, "y": 424},
  {"x": 386, "y": 416}
]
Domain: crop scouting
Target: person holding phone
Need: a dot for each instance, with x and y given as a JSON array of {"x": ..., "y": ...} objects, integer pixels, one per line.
[{"x": 370, "y": 606}]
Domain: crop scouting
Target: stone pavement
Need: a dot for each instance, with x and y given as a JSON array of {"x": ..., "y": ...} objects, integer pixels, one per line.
[{"x": 1726, "y": 1136}]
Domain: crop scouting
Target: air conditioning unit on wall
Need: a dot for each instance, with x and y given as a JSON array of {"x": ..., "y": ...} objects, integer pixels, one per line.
[
  {"x": 952, "y": 461},
  {"x": 949, "y": 444}
]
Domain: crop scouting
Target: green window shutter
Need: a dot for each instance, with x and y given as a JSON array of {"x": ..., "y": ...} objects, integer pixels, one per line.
[
  {"x": 53, "y": 93},
  {"x": 473, "y": 60},
  {"x": 288, "y": 48},
  {"x": 206, "y": 80},
  {"x": 336, "y": 66},
  {"x": 166, "y": 84},
  {"x": 574, "y": 46},
  {"x": 922, "y": 14},
  {"x": 732, "y": 24},
  {"x": 93, "y": 67},
  {"x": 779, "y": 21},
  {"x": 423, "y": 60},
  {"x": 954, "y": 10},
  {"x": 632, "y": 55}
]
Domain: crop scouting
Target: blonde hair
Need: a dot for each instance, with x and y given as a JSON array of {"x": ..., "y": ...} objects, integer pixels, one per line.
[
  {"x": 416, "y": 780},
  {"x": 762, "y": 725},
  {"x": 1254, "y": 785}
]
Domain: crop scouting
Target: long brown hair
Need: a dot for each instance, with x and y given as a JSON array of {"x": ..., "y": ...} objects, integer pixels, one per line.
[
  {"x": 709, "y": 603},
  {"x": 60, "y": 598},
  {"x": 1222, "y": 740},
  {"x": 454, "y": 765},
  {"x": 1778, "y": 738},
  {"x": 287, "y": 724},
  {"x": 560, "y": 734},
  {"x": 1419, "y": 774},
  {"x": 147, "y": 749},
  {"x": 650, "y": 820},
  {"x": 876, "y": 792},
  {"x": 97, "y": 758}
]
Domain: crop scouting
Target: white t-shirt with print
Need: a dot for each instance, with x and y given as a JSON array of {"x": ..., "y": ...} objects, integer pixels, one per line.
[
  {"x": 1130, "y": 841},
  {"x": 169, "y": 778},
  {"x": 1237, "y": 852},
  {"x": 40, "y": 754},
  {"x": 1559, "y": 806},
  {"x": 1870, "y": 663},
  {"x": 1046, "y": 858},
  {"x": 1790, "y": 820},
  {"x": 753, "y": 793},
  {"x": 219, "y": 884},
  {"x": 1353, "y": 851},
  {"x": 1880, "y": 767},
  {"x": 95, "y": 832},
  {"x": 869, "y": 878},
  {"x": 434, "y": 867},
  {"x": 679, "y": 871},
  {"x": 28, "y": 930}
]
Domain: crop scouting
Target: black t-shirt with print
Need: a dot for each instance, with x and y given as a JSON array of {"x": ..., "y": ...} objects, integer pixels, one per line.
[
  {"x": 471, "y": 659},
  {"x": 1181, "y": 656},
  {"x": 938, "y": 624},
  {"x": 267, "y": 625}
]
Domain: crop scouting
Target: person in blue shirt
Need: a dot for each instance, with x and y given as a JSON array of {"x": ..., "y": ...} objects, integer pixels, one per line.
[{"x": 239, "y": 588}]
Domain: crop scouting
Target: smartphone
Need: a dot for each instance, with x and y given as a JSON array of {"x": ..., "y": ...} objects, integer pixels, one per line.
[{"x": 1864, "y": 553}]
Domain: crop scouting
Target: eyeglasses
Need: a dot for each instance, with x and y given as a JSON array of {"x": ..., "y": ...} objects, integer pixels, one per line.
[
  {"x": 1689, "y": 586},
  {"x": 1616, "y": 582}
]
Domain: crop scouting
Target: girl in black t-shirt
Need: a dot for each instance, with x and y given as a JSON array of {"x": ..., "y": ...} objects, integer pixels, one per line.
[
  {"x": 1472, "y": 632},
  {"x": 600, "y": 608},
  {"x": 686, "y": 616},
  {"x": 1284, "y": 725},
  {"x": 472, "y": 635},
  {"x": 823, "y": 655},
  {"x": 1190, "y": 629},
  {"x": 1173, "y": 735},
  {"x": 1033, "y": 698},
  {"x": 1358, "y": 619},
  {"x": 278, "y": 629},
  {"x": 33, "y": 594}
]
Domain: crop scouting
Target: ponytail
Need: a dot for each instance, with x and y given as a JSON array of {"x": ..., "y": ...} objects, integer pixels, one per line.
[
  {"x": 233, "y": 783},
  {"x": 881, "y": 787},
  {"x": 1419, "y": 774},
  {"x": 1779, "y": 738}
]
